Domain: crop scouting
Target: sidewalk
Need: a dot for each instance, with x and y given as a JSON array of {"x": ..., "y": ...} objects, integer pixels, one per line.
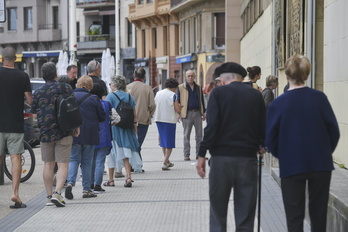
[{"x": 175, "y": 200}]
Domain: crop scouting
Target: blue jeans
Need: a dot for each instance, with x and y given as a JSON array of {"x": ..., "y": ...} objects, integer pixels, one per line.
[
  {"x": 98, "y": 164},
  {"x": 81, "y": 154},
  {"x": 142, "y": 131}
]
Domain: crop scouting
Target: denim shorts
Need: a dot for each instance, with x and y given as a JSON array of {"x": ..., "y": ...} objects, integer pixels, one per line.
[
  {"x": 13, "y": 142},
  {"x": 58, "y": 151}
]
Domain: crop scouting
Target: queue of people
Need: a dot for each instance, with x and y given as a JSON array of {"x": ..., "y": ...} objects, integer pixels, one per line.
[{"x": 299, "y": 128}]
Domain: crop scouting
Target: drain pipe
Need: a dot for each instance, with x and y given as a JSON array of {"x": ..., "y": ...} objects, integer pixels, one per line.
[
  {"x": 311, "y": 42},
  {"x": 273, "y": 48}
]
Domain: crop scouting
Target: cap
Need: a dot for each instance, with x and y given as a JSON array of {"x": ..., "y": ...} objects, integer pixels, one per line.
[{"x": 230, "y": 67}]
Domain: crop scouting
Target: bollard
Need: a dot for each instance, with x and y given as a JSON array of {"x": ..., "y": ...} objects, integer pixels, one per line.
[{"x": 2, "y": 181}]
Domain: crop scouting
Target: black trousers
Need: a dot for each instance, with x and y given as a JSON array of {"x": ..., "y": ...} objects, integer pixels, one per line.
[
  {"x": 237, "y": 173},
  {"x": 294, "y": 198}
]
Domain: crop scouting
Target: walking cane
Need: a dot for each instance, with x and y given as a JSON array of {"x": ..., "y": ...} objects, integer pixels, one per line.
[{"x": 259, "y": 200}]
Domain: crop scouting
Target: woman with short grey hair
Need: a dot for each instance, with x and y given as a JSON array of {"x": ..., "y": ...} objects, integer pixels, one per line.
[
  {"x": 119, "y": 82},
  {"x": 125, "y": 143}
]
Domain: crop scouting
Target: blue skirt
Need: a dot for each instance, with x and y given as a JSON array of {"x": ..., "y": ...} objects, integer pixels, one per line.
[{"x": 166, "y": 133}]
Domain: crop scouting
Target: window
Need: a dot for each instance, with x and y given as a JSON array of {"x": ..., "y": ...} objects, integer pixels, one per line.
[
  {"x": 149, "y": 1},
  {"x": 154, "y": 37},
  {"x": 140, "y": 2},
  {"x": 55, "y": 18},
  {"x": 165, "y": 44},
  {"x": 130, "y": 33},
  {"x": 28, "y": 18},
  {"x": 219, "y": 30},
  {"x": 12, "y": 19},
  {"x": 143, "y": 35},
  {"x": 1, "y": 27}
]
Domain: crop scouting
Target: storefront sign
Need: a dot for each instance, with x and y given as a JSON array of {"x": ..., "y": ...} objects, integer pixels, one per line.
[
  {"x": 143, "y": 62},
  {"x": 215, "y": 58},
  {"x": 40, "y": 53},
  {"x": 186, "y": 58}
]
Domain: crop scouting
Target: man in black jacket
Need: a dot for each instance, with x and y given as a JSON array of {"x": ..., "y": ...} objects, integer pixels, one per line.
[{"x": 233, "y": 135}]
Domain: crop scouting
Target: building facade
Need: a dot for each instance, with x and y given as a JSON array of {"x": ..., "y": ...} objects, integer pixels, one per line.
[
  {"x": 157, "y": 40},
  {"x": 275, "y": 30},
  {"x": 96, "y": 31},
  {"x": 37, "y": 29},
  {"x": 202, "y": 40}
]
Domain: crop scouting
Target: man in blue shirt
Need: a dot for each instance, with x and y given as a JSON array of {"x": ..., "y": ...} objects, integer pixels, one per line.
[{"x": 190, "y": 97}]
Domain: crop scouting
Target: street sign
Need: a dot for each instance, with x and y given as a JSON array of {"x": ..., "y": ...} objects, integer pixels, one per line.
[{"x": 2, "y": 11}]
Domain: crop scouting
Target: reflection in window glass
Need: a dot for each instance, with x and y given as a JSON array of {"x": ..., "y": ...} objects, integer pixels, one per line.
[
  {"x": 12, "y": 19},
  {"x": 28, "y": 18}
]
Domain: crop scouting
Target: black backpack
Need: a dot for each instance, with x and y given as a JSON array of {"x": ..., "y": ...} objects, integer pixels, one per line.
[
  {"x": 126, "y": 112},
  {"x": 67, "y": 112}
]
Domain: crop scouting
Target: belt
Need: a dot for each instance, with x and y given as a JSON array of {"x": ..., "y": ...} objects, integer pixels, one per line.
[{"x": 194, "y": 110}]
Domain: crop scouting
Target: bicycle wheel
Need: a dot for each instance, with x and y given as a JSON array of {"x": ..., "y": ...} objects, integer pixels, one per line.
[{"x": 27, "y": 162}]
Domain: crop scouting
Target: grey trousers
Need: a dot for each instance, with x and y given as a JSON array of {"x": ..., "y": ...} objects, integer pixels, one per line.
[
  {"x": 239, "y": 174},
  {"x": 192, "y": 119}
]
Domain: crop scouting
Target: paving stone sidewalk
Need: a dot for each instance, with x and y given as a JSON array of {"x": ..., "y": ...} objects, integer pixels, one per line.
[{"x": 175, "y": 200}]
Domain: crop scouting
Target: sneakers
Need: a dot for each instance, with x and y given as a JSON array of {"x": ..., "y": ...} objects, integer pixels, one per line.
[
  {"x": 49, "y": 202},
  {"x": 98, "y": 189},
  {"x": 68, "y": 192},
  {"x": 88, "y": 194},
  {"x": 57, "y": 199},
  {"x": 118, "y": 175},
  {"x": 187, "y": 158},
  {"x": 165, "y": 167}
]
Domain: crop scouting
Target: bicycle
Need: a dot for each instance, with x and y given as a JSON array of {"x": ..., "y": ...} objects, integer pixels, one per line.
[{"x": 27, "y": 162}]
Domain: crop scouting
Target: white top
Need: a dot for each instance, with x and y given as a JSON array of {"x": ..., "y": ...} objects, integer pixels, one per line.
[{"x": 165, "y": 111}]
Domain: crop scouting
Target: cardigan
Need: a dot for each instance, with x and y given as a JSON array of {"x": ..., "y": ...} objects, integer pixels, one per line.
[
  {"x": 235, "y": 122},
  {"x": 92, "y": 113},
  {"x": 183, "y": 96},
  {"x": 144, "y": 98},
  {"x": 302, "y": 131}
]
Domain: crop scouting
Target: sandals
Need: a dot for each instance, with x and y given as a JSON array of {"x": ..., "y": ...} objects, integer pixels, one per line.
[
  {"x": 18, "y": 205},
  {"x": 88, "y": 194},
  {"x": 128, "y": 183},
  {"x": 109, "y": 183}
]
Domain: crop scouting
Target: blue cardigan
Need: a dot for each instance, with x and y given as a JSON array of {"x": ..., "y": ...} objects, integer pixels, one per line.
[
  {"x": 302, "y": 131},
  {"x": 92, "y": 113}
]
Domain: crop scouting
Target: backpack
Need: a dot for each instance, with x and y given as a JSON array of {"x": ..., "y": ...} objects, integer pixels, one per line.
[
  {"x": 126, "y": 112},
  {"x": 67, "y": 112}
]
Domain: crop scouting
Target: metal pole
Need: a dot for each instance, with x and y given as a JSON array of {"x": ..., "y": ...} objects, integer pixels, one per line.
[
  {"x": 117, "y": 36},
  {"x": 72, "y": 31},
  {"x": 259, "y": 198}
]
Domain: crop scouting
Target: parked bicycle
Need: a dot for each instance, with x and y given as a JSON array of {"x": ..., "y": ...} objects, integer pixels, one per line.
[
  {"x": 31, "y": 132},
  {"x": 27, "y": 162}
]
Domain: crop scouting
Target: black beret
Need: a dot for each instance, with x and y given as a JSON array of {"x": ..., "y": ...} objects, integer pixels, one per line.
[{"x": 230, "y": 67}]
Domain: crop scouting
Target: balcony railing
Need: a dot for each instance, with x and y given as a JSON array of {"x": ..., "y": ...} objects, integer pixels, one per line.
[
  {"x": 92, "y": 1},
  {"x": 96, "y": 42},
  {"x": 49, "y": 26},
  {"x": 174, "y": 3}
]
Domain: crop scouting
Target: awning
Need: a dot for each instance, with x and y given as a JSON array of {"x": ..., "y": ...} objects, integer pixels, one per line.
[
  {"x": 18, "y": 58},
  {"x": 41, "y": 53},
  {"x": 142, "y": 62},
  {"x": 186, "y": 58}
]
